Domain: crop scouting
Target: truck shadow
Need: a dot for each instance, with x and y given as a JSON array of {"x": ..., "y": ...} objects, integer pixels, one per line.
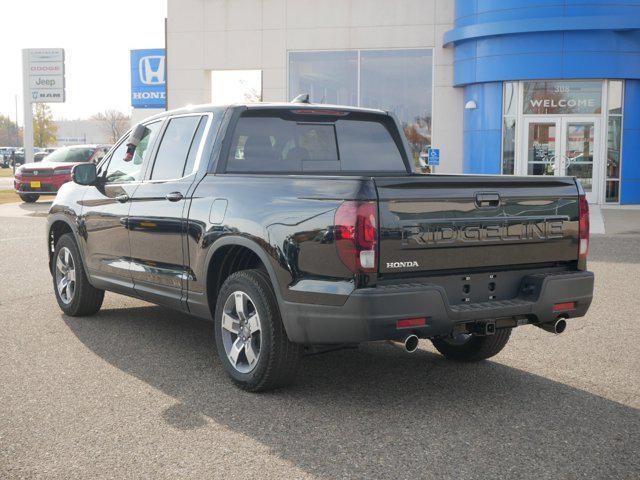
[{"x": 377, "y": 412}]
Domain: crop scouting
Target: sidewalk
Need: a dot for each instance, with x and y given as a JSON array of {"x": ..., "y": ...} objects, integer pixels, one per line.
[{"x": 619, "y": 220}]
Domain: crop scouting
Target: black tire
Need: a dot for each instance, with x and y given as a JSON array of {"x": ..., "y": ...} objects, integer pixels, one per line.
[
  {"x": 475, "y": 348},
  {"x": 29, "y": 197},
  {"x": 279, "y": 359},
  {"x": 86, "y": 299}
]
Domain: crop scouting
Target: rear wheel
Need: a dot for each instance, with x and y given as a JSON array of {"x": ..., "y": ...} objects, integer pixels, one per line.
[
  {"x": 472, "y": 348},
  {"x": 250, "y": 337},
  {"x": 75, "y": 295},
  {"x": 28, "y": 197}
]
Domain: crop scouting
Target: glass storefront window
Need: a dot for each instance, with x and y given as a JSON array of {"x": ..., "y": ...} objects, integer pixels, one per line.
[
  {"x": 399, "y": 81},
  {"x": 509, "y": 116},
  {"x": 614, "y": 137},
  {"x": 613, "y": 191},
  {"x": 510, "y": 99},
  {"x": 328, "y": 77},
  {"x": 613, "y": 156},
  {"x": 543, "y": 97},
  {"x": 614, "y": 97},
  {"x": 508, "y": 145}
]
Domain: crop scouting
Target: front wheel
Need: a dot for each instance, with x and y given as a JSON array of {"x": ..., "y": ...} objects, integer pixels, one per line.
[
  {"x": 472, "y": 348},
  {"x": 28, "y": 197},
  {"x": 250, "y": 338},
  {"x": 75, "y": 295}
]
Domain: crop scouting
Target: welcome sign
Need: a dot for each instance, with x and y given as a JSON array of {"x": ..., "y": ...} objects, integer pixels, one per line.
[{"x": 542, "y": 97}]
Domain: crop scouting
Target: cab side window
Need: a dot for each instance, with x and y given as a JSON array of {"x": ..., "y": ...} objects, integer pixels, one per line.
[
  {"x": 179, "y": 144},
  {"x": 120, "y": 170}
]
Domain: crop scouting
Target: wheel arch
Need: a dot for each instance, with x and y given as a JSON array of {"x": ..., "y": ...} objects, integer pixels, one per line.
[
  {"x": 235, "y": 246},
  {"x": 57, "y": 226}
]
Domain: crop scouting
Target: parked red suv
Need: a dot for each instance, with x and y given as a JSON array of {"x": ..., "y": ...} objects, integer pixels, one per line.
[{"x": 47, "y": 176}]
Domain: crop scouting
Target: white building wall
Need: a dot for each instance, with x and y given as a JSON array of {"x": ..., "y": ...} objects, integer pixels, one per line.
[
  {"x": 78, "y": 132},
  {"x": 139, "y": 114},
  {"x": 205, "y": 35}
]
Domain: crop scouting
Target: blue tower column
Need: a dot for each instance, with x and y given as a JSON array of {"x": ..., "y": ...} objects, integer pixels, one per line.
[
  {"x": 630, "y": 173},
  {"x": 482, "y": 128}
]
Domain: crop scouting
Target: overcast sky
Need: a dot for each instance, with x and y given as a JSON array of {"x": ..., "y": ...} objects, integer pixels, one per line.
[{"x": 96, "y": 36}]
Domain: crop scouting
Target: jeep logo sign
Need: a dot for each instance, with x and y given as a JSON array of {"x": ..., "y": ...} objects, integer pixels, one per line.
[{"x": 148, "y": 74}]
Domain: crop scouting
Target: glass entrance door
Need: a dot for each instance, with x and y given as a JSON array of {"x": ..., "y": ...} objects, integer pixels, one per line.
[
  {"x": 542, "y": 147},
  {"x": 563, "y": 146},
  {"x": 579, "y": 153}
]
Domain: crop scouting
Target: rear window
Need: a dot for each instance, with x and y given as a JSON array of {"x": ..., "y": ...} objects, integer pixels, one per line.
[{"x": 286, "y": 142}]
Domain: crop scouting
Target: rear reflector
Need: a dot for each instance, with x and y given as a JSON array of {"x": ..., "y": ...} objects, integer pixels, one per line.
[
  {"x": 411, "y": 322},
  {"x": 561, "y": 307}
]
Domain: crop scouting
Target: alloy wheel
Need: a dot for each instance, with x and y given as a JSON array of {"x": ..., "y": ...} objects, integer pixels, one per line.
[
  {"x": 65, "y": 275},
  {"x": 241, "y": 331}
]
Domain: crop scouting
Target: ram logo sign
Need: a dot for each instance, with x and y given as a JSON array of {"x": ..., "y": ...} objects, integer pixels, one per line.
[{"x": 148, "y": 75}]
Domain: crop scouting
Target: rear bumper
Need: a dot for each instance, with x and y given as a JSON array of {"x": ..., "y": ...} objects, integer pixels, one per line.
[{"x": 371, "y": 313}]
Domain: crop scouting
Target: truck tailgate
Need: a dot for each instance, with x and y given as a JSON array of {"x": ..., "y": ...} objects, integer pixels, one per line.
[{"x": 445, "y": 222}]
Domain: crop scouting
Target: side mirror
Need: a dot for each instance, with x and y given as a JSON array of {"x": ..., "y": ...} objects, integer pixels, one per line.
[
  {"x": 85, "y": 174},
  {"x": 135, "y": 136}
]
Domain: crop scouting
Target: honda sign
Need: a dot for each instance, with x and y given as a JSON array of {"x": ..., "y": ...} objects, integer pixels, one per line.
[{"x": 148, "y": 86}]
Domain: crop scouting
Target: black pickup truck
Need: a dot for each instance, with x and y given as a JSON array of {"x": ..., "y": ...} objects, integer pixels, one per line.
[{"x": 301, "y": 228}]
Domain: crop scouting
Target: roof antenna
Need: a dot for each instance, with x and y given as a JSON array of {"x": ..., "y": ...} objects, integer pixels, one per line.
[{"x": 302, "y": 98}]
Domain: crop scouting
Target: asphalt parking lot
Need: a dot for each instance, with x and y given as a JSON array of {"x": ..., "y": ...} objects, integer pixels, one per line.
[{"x": 137, "y": 392}]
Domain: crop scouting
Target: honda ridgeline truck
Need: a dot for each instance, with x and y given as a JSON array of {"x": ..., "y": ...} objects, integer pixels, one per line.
[{"x": 298, "y": 228}]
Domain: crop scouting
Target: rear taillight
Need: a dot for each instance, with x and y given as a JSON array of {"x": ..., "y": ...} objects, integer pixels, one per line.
[
  {"x": 584, "y": 228},
  {"x": 356, "y": 235}
]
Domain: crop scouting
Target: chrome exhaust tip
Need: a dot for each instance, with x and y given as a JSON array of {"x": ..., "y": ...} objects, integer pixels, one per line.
[
  {"x": 411, "y": 343},
  {"x": 557, "y": 327}
]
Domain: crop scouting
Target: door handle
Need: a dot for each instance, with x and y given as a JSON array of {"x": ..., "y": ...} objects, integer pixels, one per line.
[
  {"x": 174, "y": 196},
  {"x": 487, "y": 200},
  {"x": 122, "y": 198},
  {"x": 124, "y": 221}
]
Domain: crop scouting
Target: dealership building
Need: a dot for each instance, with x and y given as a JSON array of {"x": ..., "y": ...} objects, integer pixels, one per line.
[{"x": 541, "y": 87}]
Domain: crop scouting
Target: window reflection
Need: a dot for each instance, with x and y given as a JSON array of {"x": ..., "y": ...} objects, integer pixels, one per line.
[
  {"x": 508, "y": 145},
  {"x": 328, "y": 77},
  {"x": 613, "y": 190},
  {"x": 510, "y": 99},
  {"x": 399, "y": 81},
  {"x": 614, "y": 138},
  {"x": 614, "y": 97}
]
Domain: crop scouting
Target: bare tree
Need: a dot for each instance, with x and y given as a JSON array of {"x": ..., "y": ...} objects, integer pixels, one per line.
[
  {"x": 115, "y": 123},
  {"x": 251, "y": 94}
]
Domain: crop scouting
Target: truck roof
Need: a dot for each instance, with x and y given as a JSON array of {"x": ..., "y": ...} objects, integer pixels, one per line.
[{"x": 207, "y": 107}]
